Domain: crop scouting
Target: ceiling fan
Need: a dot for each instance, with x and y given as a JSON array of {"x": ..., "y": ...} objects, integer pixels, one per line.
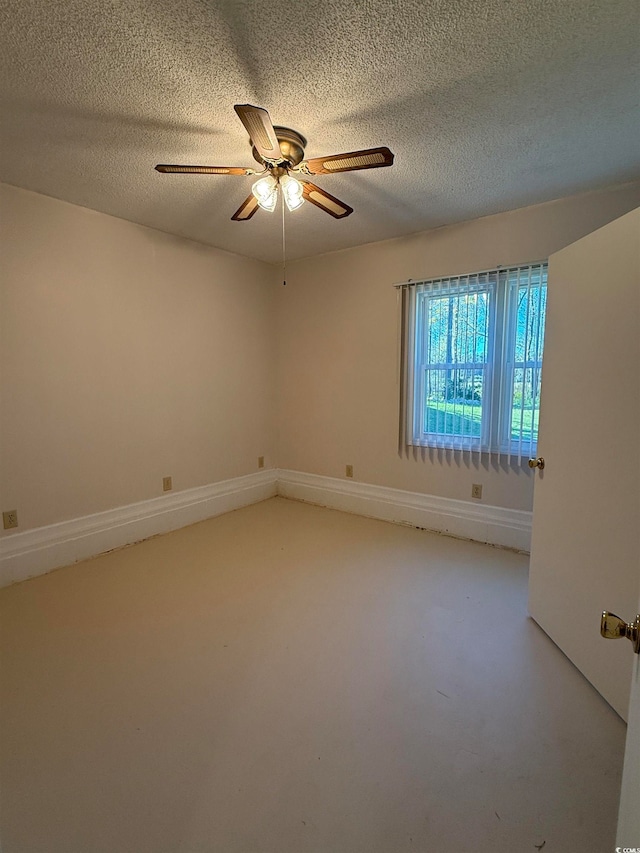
[{"x": 280, "y": 151}]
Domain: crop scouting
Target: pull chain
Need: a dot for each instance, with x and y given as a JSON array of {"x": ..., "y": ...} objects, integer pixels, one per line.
[{"x": 284, "y": 261}]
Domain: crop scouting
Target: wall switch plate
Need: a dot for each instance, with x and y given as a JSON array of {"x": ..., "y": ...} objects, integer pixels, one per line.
[
  {"x": 476, "y": 491},
  {"x": 166, "y": 484},
  {"x": 260, "y": 461},
  {"x": 349, "y": 470},
  {"x": 10, "y": 519}
]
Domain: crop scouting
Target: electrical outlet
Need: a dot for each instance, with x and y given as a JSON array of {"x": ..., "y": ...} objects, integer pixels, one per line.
[
  {"x": 260, "y": 461},
  {"x": 349, "y": 470},
  {"x": 476, "y": 491},
  {"x": 166, "y": 484},
  {"x": 10, "y": 519}
]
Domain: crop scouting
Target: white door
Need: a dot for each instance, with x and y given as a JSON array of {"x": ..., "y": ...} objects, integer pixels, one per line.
[
  {"x": 585, "y": 554},
  {"x": 629, "y": 818},
  {"x": 586, "y": 533}
]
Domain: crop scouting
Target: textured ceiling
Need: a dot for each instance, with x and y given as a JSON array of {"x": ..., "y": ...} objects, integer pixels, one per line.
[{"x": 487, "y": 104}]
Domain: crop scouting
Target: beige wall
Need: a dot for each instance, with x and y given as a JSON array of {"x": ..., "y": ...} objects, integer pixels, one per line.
[
  {"x": 126, "y": 355},
  {"x": 337, "y": 345}
]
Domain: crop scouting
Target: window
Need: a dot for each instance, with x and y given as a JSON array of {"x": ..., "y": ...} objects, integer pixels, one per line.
[{"x": 473, "y": 359}]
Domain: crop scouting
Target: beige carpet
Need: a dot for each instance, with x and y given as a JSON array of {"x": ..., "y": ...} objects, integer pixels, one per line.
[{"x": 290, "y": 679}]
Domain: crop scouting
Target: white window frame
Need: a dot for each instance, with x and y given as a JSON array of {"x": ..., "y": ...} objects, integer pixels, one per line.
[{"x": 503, "y": 288}]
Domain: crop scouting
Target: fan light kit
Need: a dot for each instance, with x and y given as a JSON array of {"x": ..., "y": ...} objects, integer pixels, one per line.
[{"x": 280, "y": 152}]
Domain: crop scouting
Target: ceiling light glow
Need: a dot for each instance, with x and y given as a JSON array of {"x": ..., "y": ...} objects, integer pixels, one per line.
[
  {"x": 266, "y": 192},
  {"x": 292, "y": 191}
]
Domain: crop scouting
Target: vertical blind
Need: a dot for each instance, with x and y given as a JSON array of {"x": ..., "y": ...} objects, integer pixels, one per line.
[{"x": 471, "y": 355}]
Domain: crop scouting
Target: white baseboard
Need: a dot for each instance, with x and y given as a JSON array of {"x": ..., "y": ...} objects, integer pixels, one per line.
[
  {"x": 38, "y": 551},
  {"x": 494, "y": 525}
]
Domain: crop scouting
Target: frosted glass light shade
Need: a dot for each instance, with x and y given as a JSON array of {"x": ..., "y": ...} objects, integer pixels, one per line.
[
  {"x": 266, "y": 192},
  {"x": 292, "y": 192}
]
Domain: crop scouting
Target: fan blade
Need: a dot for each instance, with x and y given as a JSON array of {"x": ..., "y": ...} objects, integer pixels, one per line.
[
  {"x": 370, "y": 158},
  {"x": 246, "y": 210},
  {"x": 203, "y": 170},
  {"x": 258, "y": 125},
  {"x": 325, "y": 201}
]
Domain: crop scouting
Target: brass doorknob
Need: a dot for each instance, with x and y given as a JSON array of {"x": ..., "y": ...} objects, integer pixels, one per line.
[
  {"x": 537, "y": 463},
  {"x": 612, "y": 627}
]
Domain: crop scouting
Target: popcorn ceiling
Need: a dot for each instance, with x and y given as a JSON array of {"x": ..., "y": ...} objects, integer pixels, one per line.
[{"x": 487, "y": 106}]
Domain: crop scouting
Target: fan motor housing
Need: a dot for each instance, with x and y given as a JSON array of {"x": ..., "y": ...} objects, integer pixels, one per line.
[{"x": 292, "y": 145}]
